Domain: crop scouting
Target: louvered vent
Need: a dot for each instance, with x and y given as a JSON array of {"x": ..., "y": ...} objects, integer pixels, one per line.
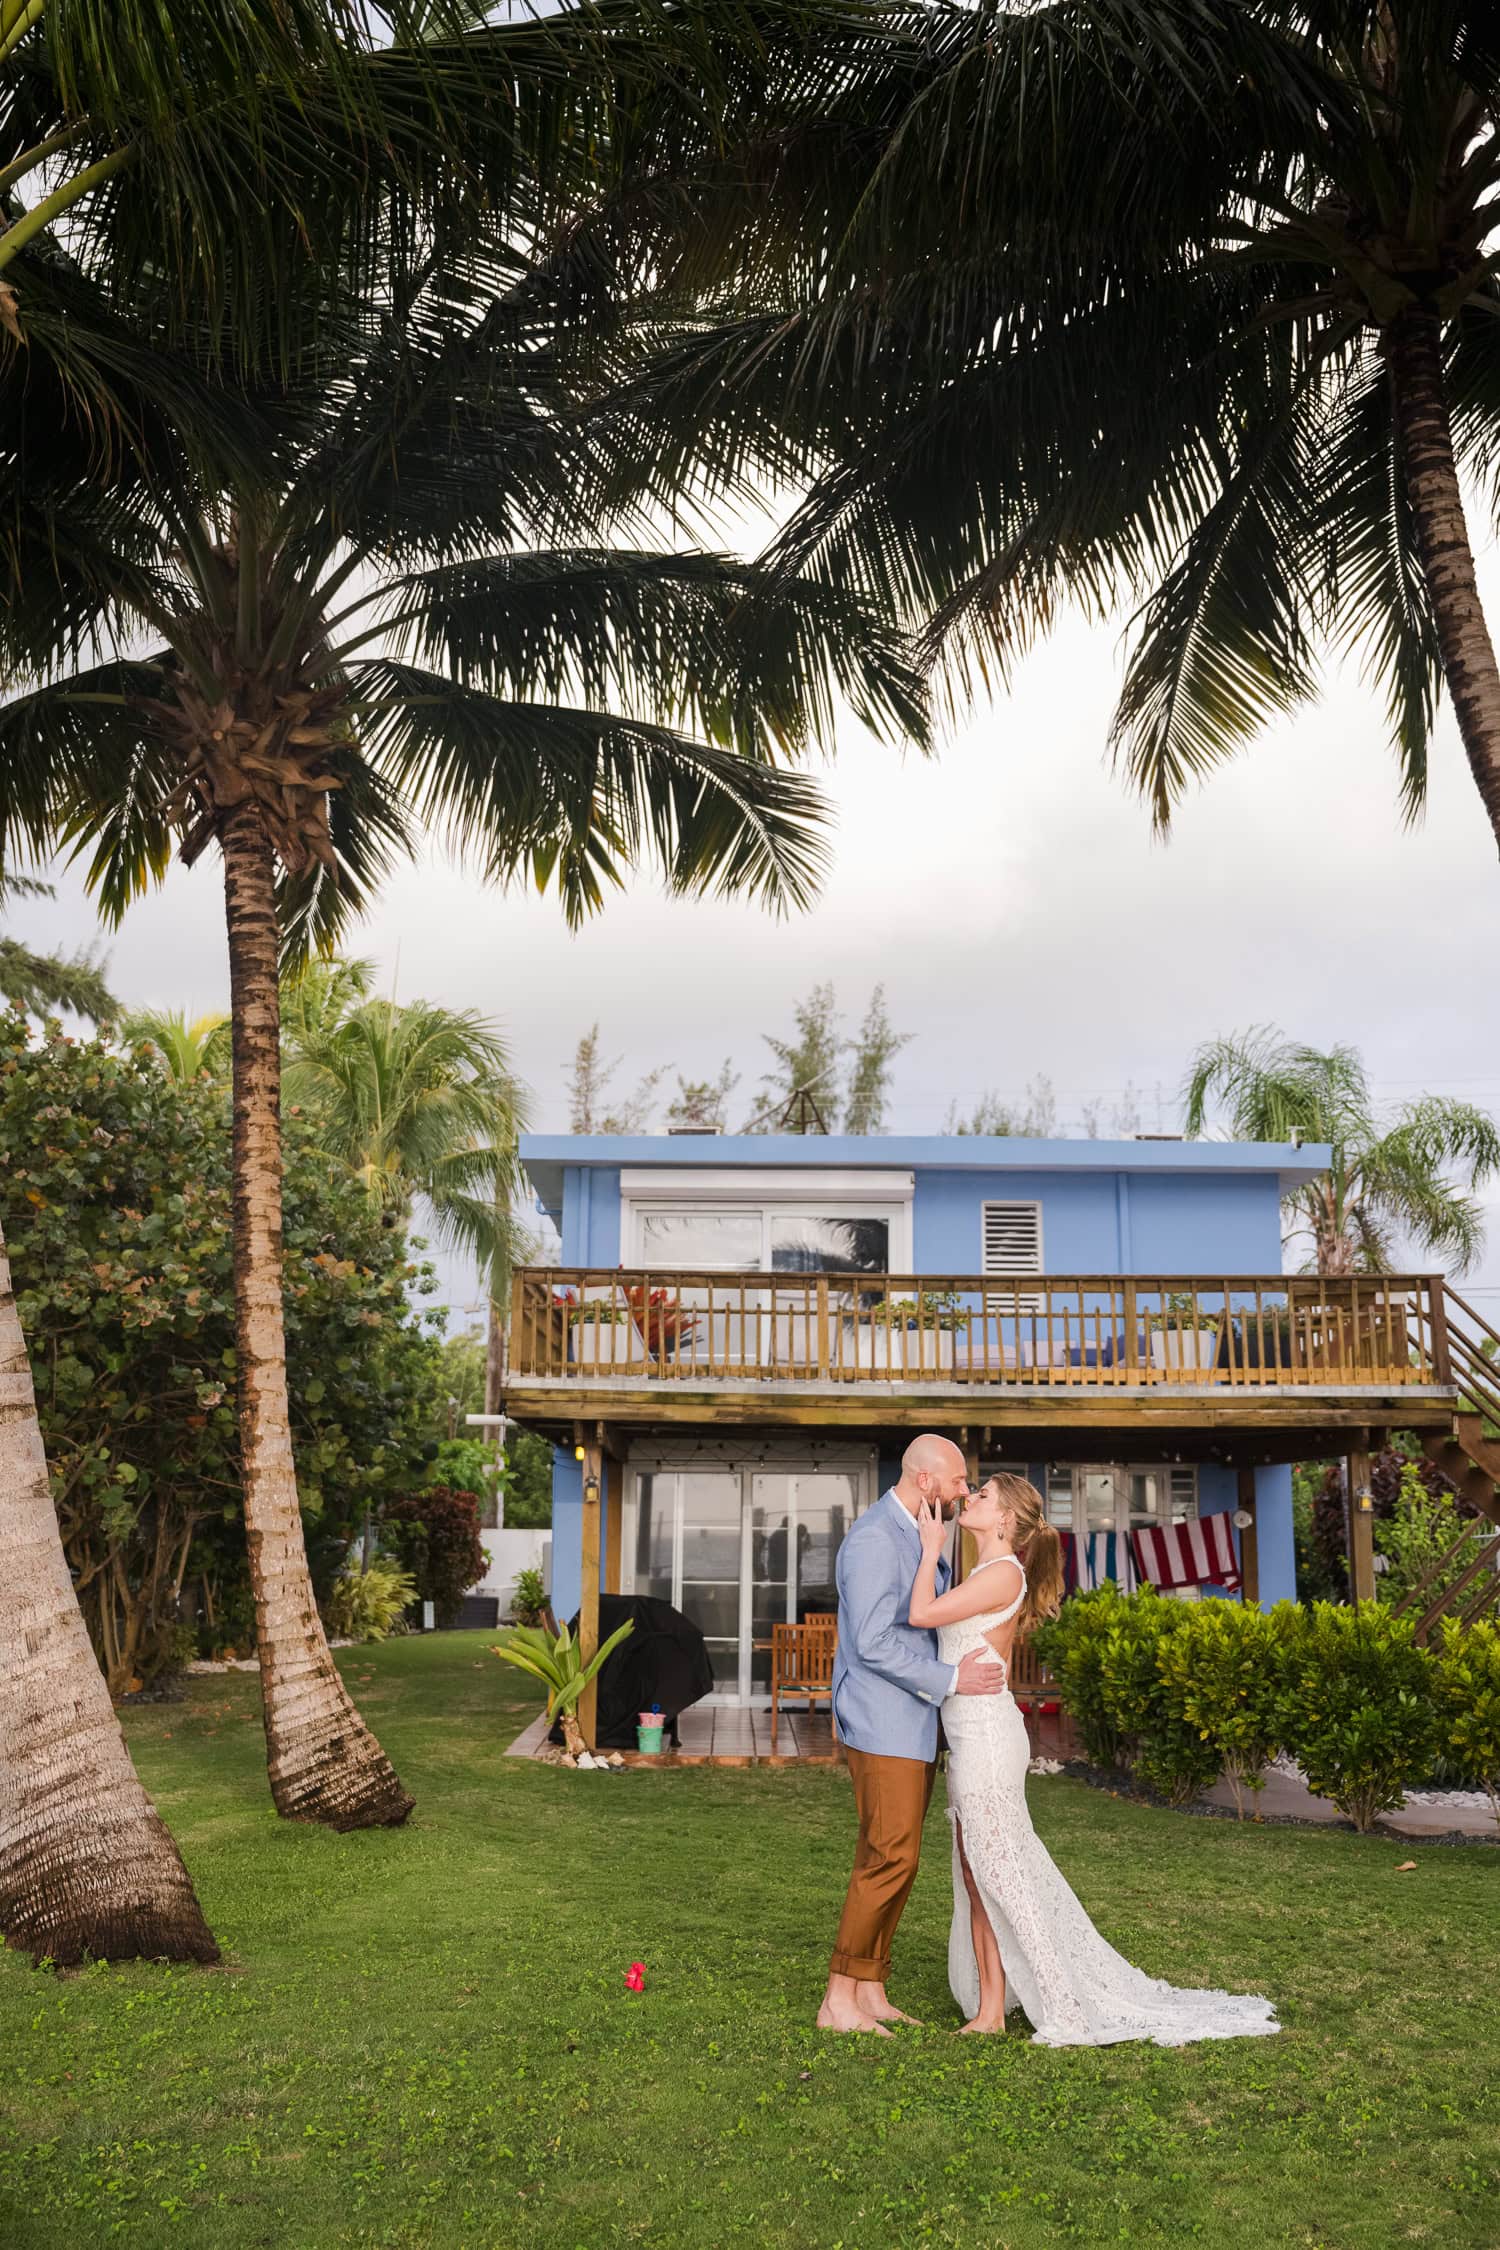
[{"x": 1013, "y": 1245}]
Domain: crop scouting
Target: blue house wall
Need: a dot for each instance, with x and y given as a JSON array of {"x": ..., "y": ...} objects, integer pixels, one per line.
[{"x": 1107, "y": 1207}]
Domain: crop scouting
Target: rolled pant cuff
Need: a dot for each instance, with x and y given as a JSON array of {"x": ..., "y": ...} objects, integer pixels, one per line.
[{"x": 863, "y": 1967}]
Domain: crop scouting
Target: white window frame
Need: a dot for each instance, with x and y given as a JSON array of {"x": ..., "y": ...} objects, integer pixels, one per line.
[
  {"x": 862, "y": 1468},
  {"x": 1027, "y": 1301},
  {"x": 777, "y": 1194},
  {"x": 1121, "y": 1471}
]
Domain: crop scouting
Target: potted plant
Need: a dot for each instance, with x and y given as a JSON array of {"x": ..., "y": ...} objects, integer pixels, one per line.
[
  {"x": 554, "y": 1659},
  {"x": 600, "y": 1333},
  {"x": 1184, "y": 1339},
  {"x": 909, "y": 1334},
  {"x": 659, "y": 1321}
]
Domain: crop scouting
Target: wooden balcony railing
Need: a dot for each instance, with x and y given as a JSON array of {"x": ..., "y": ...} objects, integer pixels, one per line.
[{"x": 587, "y": 1326}]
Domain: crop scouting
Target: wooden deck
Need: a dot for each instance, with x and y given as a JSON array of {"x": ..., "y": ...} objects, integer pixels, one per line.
[
  {"x": 1146, "y": 1352},
  {"x": 722, "y": 1736}
]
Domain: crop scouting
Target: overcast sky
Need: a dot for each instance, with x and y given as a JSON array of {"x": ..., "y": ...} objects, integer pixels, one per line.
[{"x": 1010, "y": 896}]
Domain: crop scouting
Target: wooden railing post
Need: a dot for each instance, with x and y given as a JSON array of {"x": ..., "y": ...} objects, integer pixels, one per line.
[
  {"x": 1132, "y": 1340},
  {"x": 822, "y": 1320},
  {"x": 1437, "y": 1328}
]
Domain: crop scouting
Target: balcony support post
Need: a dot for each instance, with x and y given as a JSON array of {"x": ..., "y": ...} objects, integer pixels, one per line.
[
  {"x": 1249, "y": 1555},
  {"x": 1361, "y": 1526},
  {"x": 964, "y": 1547},
  {"x": 588, "y": 1596}
]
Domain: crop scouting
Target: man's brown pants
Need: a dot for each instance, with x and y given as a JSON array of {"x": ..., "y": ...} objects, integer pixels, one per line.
[{"x": 892, "y": 1795}]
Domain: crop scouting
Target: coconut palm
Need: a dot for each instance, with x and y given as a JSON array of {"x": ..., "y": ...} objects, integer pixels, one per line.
[
  {"x": 184, "y": 1047},
  {"x": 1232, "y": 365},
  {"x": 86, "y": 1865},
  {"x": 415, "y": 1099},
  {"x": 419, "y": 1100},
  {"x": 1391, "y": 1179},
  {"x": 361, "y": 643}
]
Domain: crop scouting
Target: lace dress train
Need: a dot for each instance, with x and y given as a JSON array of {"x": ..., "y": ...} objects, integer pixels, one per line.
[{"x": 1075, "y": 1988}]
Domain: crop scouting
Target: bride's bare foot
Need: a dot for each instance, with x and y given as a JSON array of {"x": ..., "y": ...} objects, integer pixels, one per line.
[
  {"x": 984, "y": 2024},
  {"x": 843, "y": 2015},
  {"x": 870, "y": 1999}
]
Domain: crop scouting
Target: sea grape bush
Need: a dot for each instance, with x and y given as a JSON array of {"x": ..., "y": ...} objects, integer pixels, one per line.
[{"x": 1180, "y": 1693}]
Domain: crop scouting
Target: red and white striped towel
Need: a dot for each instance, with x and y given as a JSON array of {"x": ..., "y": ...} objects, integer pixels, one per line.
[{"x": 1189, "y": 1554}]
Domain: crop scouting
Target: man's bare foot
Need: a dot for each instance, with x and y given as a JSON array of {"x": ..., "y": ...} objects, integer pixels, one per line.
[
  {"x": 870, "y": 1999},
  {"x": 984, "y": 2024},
  {"x": 844, "y": 2016}
]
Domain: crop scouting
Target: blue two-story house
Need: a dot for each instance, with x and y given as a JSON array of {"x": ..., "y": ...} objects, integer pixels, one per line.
[{"x": 744, "y": 1332}]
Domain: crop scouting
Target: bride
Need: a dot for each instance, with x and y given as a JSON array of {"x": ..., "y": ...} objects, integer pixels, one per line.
[{"x": 1017, "y": 1927}]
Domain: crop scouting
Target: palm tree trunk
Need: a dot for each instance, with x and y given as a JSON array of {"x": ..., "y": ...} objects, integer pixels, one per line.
[
  {"x": 87, "y": 1867},
  {"x": 324, "y": 1762},
  {"x": 1415, "y": 356}
]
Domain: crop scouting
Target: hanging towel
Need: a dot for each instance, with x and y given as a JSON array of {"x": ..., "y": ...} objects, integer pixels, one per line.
[
  {"x": 1090, "y": 1557},
  {"x": 1189, "y": 1554}
]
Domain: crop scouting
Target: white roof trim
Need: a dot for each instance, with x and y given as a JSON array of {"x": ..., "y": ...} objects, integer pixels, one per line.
[{"x": 771, "y": 1183}]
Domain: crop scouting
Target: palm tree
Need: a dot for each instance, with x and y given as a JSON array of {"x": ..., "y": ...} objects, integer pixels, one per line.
[
  {"x": 184, "y": 1048},
  {"x": 1231, "y": 363},
  {"x": 414, "y": 1098},
  {"x": 38, "y": 983},
  {"x": 86, "y": 1864},
  {"x": 358, "y": 642},
  {"x": 1390, "y": 1179}
]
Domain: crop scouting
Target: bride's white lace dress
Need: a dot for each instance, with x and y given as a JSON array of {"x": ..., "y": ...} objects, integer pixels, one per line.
[{"x": 1077, "y": 1991}]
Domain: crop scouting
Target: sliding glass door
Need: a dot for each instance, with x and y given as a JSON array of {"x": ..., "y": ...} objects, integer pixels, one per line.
[{"x": 740, "y": 1550}]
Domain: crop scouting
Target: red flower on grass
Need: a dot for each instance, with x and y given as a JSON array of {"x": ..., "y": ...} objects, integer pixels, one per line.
[{"x": 635, "y": 1977}]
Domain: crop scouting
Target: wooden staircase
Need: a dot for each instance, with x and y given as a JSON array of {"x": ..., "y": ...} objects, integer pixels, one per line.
[{"x": 1469, "y": 1458}]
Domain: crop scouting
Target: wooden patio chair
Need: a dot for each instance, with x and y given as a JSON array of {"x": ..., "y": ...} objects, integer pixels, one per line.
[
  {"x": 802, "y": 1666},
  {"x": 1036, "y": 1693}
]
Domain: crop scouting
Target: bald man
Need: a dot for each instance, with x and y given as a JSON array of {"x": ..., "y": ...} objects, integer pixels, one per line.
[{"x": 888, "y": 1685}]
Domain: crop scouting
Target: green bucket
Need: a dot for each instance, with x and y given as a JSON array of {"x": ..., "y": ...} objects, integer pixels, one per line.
[{"x": 648, "y": 1741}]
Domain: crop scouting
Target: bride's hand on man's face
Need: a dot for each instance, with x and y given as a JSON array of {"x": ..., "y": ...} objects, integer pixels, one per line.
[{"x": 931, "y": 1529}]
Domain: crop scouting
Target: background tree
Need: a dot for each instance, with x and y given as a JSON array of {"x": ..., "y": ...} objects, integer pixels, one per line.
[
  {"x": 874, "y": 1048},
  {"x": 115, "y": 1193},
  {"x": 589, "y": 1107},
  {"x": 185, "y": 1048},
  {"x": 802, "y": 1091},
  {"x": 1391, "y": 1180},
  {"x": 1033, "y": 1118},
  {"x": 41, "y": 983},
  {"x": 701, "y": 1105}
]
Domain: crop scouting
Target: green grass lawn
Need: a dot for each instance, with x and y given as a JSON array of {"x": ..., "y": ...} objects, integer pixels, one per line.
[{"x": 424, "y": 2037}]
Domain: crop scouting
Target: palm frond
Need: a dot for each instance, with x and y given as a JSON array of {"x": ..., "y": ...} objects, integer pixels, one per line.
[
  {"x": 579, "y": 796},
  {"x": 745, "y": 655}
]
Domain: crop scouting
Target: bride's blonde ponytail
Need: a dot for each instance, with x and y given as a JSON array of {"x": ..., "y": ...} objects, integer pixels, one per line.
[{"x": 1039, "y": 1548}]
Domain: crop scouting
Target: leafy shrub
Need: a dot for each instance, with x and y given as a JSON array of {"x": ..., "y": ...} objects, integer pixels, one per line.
[
  {"x": 1071, "y": 1645},
  {"x": 529, "y": 1600},
  {"x": 1160, "y": 1743},
  {"x": 1356, "y": 1707},
  {"x": 1423, "y": 1526},
  {"x": 467, "y": 1464},
  {"x": 1466, "y": 1689},
  {"x": 115, "y": 1204},
  {"x": 1221, "y": 1676},
  {"x": 435, "y": 1534},
  {"x": 366, "y": 1605}
]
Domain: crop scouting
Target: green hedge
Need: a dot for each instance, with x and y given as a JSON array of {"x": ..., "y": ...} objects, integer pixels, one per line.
[{"x": 1182, "y": 1692}]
